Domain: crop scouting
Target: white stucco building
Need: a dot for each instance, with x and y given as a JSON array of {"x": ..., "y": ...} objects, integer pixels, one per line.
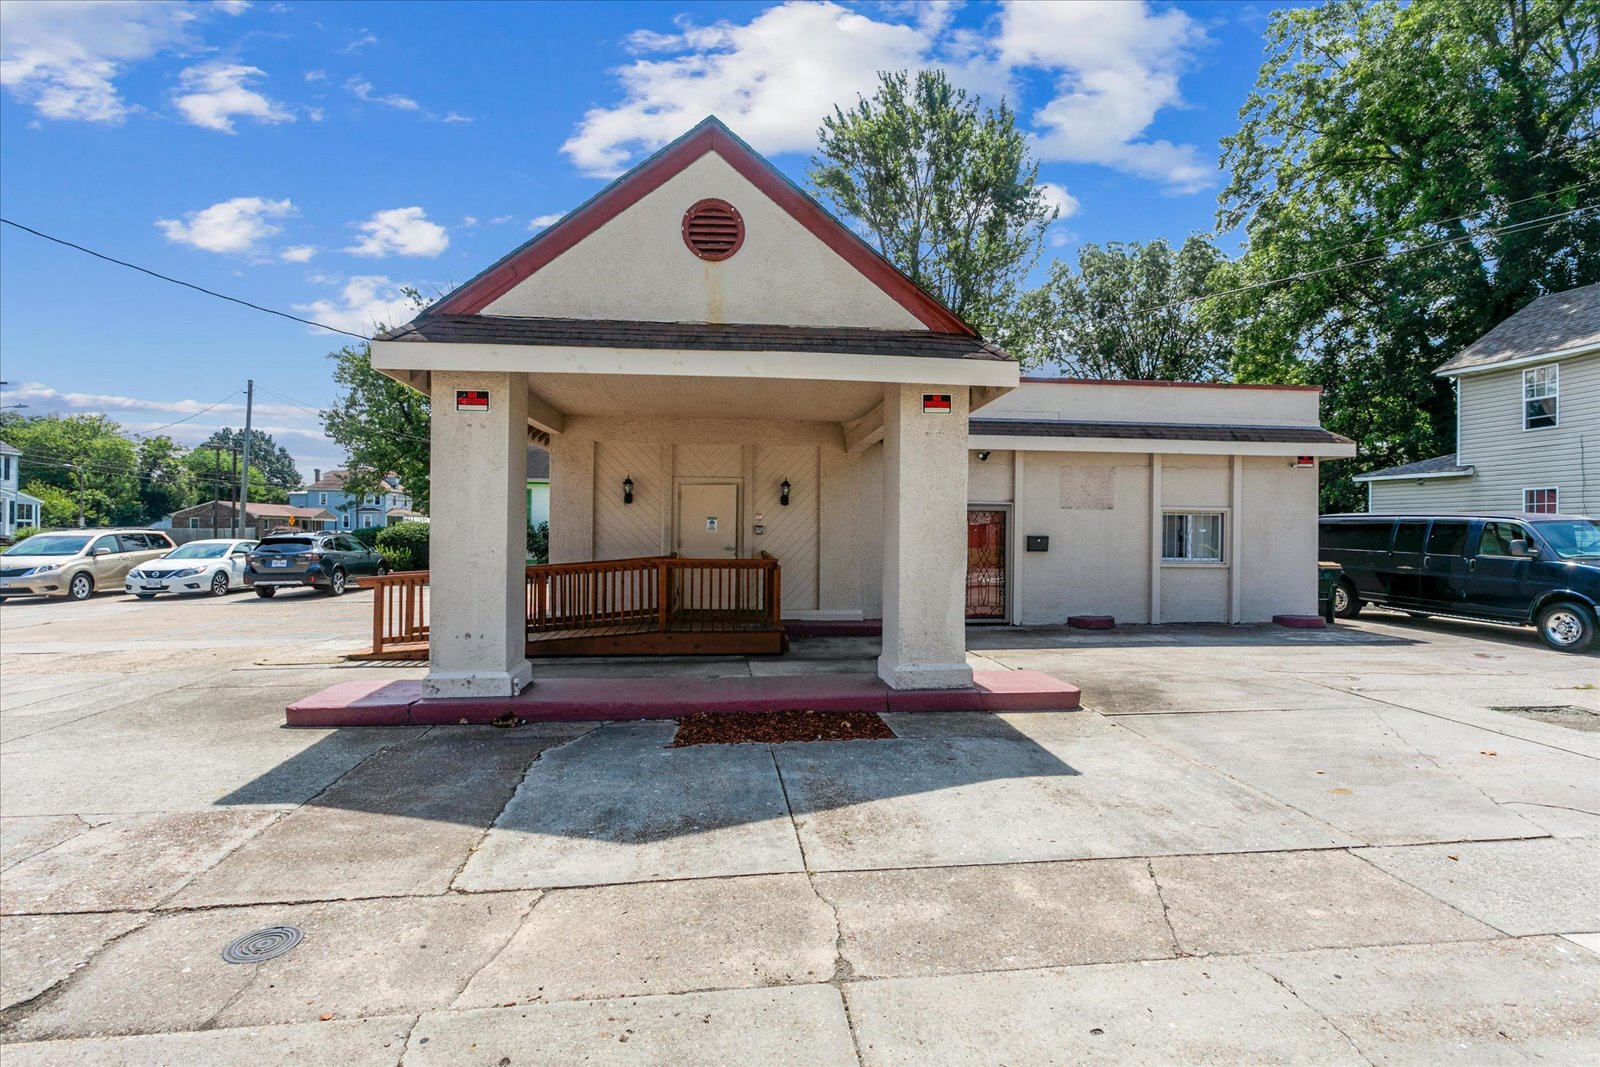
[{"x": 720, "y": 369}]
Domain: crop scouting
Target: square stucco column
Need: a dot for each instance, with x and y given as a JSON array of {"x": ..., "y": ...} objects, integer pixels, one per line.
[
  {"x": 924, "y": 540},
  {"x": 477, "y": 619}
]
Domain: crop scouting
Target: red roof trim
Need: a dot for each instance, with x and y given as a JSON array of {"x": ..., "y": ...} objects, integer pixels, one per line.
[
  {"x": 1173, "y": 385},
  {"x": 709, "y": 136}
]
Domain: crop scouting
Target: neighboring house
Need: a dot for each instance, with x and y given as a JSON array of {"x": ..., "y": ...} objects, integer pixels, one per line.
[
  {"x": 723, "y": 370},
  {"x": 1527, "y": 420},
  {"x": 218, "y": 515},
  {"x": 538, "y": 485},
  {"x": 390, "y": 505},
  {"x": 18, "y": 510}
]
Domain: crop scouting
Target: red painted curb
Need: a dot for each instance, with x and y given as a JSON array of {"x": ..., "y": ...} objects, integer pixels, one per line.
[
  {"x": 1091, "y": 622},
  {"x": 1301, "y": 622}
]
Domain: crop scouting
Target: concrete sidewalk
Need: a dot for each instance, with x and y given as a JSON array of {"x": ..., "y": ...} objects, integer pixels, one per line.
[{"x": 1253, "y": 846}]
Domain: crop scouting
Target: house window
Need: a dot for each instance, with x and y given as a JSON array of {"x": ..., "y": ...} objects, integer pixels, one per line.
[
  {"x": 1541, "y": 501},
  {"x": 345, "y": 520},
  {"x": 366, "y": 520},
  {"x": 5, "y": 468},
  {"x": 1192, "y": 537},
  {"x": 1541, "y": 397},
  {"x": 322, "y": 499},
  {"x": 194, "y": 522}
]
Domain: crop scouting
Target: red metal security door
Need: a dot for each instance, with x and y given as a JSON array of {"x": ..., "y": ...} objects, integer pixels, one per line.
[{"x": 986, "y": 565}]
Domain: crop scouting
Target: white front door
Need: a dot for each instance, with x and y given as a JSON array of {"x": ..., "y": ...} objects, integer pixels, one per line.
[{"x": 708, "y": 520}]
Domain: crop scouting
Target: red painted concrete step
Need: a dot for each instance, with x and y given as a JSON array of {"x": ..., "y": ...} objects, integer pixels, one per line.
[{"x": 379, "y": 703}]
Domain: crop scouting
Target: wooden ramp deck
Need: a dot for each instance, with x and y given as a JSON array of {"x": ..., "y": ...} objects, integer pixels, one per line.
[{"x": 653, "y": 605}]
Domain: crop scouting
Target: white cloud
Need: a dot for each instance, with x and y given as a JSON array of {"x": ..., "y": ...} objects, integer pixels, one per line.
[
  {"x": 63, "y": 57},
  {"x": 39, "y": 395},
  {"x": 236, "y": 225},
  {"x": 359, "y": 43},
  {"x": 1056, "y": 196},
  {"x": 1116, "y": 65},
  {"x": 232, "y": 7},
  {"x": 401, "y": 231},
  {"x": 456, "y": 116},
  {"x": 213, "y": 93},
  {"x": 366, "y": 303},
  {"x": 316, "y": 75},
  {"x": 298, "y": 253},
  {"x": 539, "y": 222},
  {"x": 362, "y": 90}
]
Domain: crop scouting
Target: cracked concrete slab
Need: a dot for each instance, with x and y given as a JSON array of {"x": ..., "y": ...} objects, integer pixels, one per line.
[
  {"x": 402, "y": 823},
  {"x": 29, "y": 836},
  {"x": 939, "y": 801},
  {"x": 1341, "y": 767},
  {"x": 1282, "y": 901},
  {"x": 946, "y": 920},
  {"x": 1477, "y": 1002},
  {"x": 1549, "y": 886},
  {"x": 41, "y": 951},
  {"x": 1192, "y": 1011},
  {"x": 356, "y": 959},
  {"x": 796, "y": 1026},
  {"x": 372, "y": 1042},
  {"x": 617, "y": 805},
  {"x": 662, "y": 937},
  {"x": 132, "y": 864}
]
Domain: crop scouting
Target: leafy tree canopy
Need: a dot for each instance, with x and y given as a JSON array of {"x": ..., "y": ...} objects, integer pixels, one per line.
[
  {"x": 946, "y": 190},
  {"x": 215, "y": 474},
  {"x": 272, "y": 458},
  {"x": 1129, "y": 311},
  {"x": 74, "y": 453},
  {"x": 1427, "y": 158}
]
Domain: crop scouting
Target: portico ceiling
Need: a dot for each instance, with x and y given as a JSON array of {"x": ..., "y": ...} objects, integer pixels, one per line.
[{"x": 651, "y": 396}]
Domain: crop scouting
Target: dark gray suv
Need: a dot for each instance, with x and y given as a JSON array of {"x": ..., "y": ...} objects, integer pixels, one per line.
[
  {"x": 1529, "y": 569},
  {"x": 318, "y": 560}
]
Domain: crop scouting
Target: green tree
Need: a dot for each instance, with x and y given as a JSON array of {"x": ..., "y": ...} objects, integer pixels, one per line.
[
  {"x": 1130, "y": 311},
  {"x": 58, "y": 507},
  {"x": 84, "y": 456},
  {"x": 215, "y": 472},
  {"x": 947, "y": 191},
  {"x": 265, "y": 453},
  {"x": 1416, "y": 167},
  {"x": 166, "y": 484}
]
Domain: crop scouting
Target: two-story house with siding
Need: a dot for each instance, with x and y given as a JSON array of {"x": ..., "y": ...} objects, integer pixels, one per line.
[
  {"x": 18, "y": 510},
  {"x": 1527, "y": 420},
  {"x": 391, "y": 504}
]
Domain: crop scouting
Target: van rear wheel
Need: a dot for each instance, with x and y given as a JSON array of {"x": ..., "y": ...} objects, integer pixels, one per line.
[
  {"x": 1346, "y": 605},
  {"x": 1567, "y": 626}
]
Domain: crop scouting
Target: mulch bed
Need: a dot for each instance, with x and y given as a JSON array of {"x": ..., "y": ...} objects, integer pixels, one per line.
[{"x": 779, "y": 727}]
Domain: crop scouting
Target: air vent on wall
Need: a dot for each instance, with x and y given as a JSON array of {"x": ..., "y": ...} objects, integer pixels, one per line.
[{"x": 713, "y": 229}]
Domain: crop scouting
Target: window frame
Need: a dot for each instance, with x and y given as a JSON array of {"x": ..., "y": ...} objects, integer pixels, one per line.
[
  {"x": 1220, "y": 560},
  {"x": 1555, "y": 503},
  {"x": 1528, "y": 376}
]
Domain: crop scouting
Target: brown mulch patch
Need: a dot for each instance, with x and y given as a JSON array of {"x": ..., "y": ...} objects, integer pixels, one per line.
[{"x": 779, "y": 727}]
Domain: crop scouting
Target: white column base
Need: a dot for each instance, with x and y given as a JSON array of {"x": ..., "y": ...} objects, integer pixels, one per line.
[
  {"x": 444, "y": 685},
  {"x": 924, "y": 675}
]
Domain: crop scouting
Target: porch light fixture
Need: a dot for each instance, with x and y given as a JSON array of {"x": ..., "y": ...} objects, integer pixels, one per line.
[
  {"x": 783, "y": 492},
  {"x": 983, "y": 457},
  {"x": 627, "y": 490}
]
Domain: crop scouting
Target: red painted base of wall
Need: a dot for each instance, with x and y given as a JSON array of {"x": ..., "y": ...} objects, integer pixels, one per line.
[
  {"x": 1300, "y": 622},
  {"x": 379, "y": 703},
  {"x": 1091, "y": 622}
]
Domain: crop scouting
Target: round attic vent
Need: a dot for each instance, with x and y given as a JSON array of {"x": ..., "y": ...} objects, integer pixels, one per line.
[{"x": 713, "y": 229}]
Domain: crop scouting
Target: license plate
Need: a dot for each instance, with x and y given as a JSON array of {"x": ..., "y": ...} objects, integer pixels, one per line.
[
  {"x": 277, "y": 563},
  {"x": 152, "y": 588}
]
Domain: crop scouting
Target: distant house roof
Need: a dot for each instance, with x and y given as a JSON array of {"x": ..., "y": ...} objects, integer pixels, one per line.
[
  {"x": 1153, "y": 431},
  {"x": 1556, "y": 322},
  {"x": 8, "y": 450},
  {"x": 334, "y": 480},
  {"x": 264, "y": 511},
  {"x": 730, "y": 337},
  {"x": 1437, "y": 467},
  {"x": 538, "y": 464}
]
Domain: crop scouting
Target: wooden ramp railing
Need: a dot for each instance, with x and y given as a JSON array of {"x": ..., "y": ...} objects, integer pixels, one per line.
[{"x": 644, "y": 606}]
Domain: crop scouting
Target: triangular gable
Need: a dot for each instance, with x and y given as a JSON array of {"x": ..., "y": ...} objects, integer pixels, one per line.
[{"x": 710, "y": 136}]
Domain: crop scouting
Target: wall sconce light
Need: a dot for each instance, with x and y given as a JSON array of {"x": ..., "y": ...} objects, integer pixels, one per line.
[
  {"x": 983, "y": 457},
  {"x": 627, "y": 490},
  {"x": 783, "y": 493}
]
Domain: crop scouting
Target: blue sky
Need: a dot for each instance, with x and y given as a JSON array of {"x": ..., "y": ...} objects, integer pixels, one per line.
[{"x": 316, "y": 157}]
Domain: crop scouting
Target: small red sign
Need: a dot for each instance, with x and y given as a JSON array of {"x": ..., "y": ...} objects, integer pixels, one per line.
[
  {"x": 936, "y": 403},
  {"x": 1305, "y": 461},
  {"x": 472, "y": 400}
]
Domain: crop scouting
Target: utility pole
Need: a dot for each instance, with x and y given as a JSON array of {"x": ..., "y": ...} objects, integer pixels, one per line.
[
  {"x": 216, "y": 487},
  {"x": 82, "y": 475},
  {"x": 233, "y": 490},
  {"x": 244, "y": 477}
]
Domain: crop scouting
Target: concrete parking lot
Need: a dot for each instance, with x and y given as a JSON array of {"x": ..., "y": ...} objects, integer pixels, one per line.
[{"x": 1374, "y": 844}]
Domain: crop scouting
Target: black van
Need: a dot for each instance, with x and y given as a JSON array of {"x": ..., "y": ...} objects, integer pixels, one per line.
[{"x": 1532, "y": 570}]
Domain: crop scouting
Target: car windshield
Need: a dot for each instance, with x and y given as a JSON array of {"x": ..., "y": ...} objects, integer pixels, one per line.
[
  {"x": 199, "y": 550},
  {"x": 49, "y": 545},
  {"x": 1572, "y": 538}
]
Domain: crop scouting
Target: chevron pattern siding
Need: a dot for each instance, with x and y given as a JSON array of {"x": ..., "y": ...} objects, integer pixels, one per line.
[
  {"x": 623, "y": 531},
  {"x": 792, "y": 533},
  {"x": 708, "y": 461}
]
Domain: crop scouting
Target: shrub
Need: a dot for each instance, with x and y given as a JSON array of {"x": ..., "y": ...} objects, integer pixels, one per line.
[
  {"x": 367, "y": 535},
  {"x": 539, "y": 543},
  {"x": 411, "y": 538},
  {"x": 398, "y": 559}
]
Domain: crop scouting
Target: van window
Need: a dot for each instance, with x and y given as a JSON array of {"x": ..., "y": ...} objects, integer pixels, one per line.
[
  {"x": 1409, "y": 536},
  {"x": 1497, "y": 537},
  {"x": 1448, "y": 539},
  {"x": 1357, "y": 536}
]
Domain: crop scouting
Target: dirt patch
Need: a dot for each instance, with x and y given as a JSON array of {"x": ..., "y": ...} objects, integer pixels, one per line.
[
  {"x": 779, "y": 727},
  {"x": 1568, "y": 715}
]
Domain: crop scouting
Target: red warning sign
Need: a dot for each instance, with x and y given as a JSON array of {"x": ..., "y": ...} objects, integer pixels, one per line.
[
  {"x": 936, "y": 403},
  {"x": 472, "y": 400}
]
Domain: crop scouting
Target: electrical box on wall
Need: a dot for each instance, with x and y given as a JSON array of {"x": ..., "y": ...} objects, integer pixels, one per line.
[{"x": 1038, "y": 543}]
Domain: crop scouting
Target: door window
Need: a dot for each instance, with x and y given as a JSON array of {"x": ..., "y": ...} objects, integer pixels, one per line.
[
  {"x": 986, "y": 564},
  {"x": 1409, "y": 536},
  {"x": 1448, "y": 539},
  {"x": 1497, "y": 537},
  {"x": 107, "y": 542}
]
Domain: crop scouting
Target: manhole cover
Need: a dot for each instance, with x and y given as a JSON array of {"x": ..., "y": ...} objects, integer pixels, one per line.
[
  {"x": 263, "y": 944},
  {"x": 1569, "y": 715}
]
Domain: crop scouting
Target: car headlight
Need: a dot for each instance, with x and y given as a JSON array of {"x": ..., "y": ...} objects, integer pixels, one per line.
[
  {"x": 136, "y": 573},
  {"x": 191, "y": 572},
  {"x": 45, "y": 568}
]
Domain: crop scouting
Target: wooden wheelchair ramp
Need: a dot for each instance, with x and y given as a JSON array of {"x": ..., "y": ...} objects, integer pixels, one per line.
[{"x": 652, "y": 605}]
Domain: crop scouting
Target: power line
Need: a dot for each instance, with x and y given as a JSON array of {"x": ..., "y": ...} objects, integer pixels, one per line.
[
  {"x": 179, "y": 281},
  {"x": 186, "y": 418}
]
